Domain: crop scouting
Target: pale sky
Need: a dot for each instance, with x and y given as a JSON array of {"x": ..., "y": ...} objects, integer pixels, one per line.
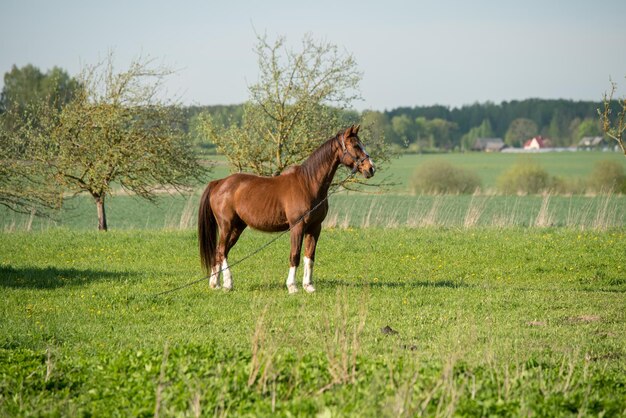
[{"x": 410, "y": 52}]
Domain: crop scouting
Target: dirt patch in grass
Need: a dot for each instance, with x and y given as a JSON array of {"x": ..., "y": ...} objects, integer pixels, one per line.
[{"x": 583, "y": 319}]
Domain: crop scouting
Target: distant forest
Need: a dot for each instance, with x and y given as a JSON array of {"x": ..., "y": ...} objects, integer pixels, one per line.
[
  {"x": 431, "y": 128},
  {"x": 409, "y": 129}
]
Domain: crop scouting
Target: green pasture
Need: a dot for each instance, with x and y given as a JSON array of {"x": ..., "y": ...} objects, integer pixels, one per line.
[
  {"x": 405, "y": 322},
  {"x": 489, "y": 166},
  {"x": 482, "y": 305}
]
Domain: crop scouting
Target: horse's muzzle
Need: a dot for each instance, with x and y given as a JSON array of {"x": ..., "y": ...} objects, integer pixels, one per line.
[{"x": 369, "y": 172}]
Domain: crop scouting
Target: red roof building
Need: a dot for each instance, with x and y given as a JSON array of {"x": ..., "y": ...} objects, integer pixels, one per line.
[{"x": 537, "y": 142}]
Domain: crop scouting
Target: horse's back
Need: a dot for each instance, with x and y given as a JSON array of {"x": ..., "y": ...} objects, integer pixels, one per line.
[{"x": 257, "y": 201}]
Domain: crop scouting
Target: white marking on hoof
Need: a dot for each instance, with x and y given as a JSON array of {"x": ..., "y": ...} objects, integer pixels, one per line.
[
  {"x": 291, "y": 280},
  {"x": 307, "y": 280},
  {"x": 214, "y": 282},
  {"x": 227, "y": 278}
]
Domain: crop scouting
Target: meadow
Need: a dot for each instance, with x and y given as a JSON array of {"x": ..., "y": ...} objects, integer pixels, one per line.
[
  {"x": 405, "y": 322},
  {"x": 425, "y": 305}
]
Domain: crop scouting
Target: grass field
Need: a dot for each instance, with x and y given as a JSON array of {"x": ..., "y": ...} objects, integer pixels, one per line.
[
  {"x": 426, "y": 305},
  {"x": 489, "y": 166},
  {"x": 486, "y": 322}
]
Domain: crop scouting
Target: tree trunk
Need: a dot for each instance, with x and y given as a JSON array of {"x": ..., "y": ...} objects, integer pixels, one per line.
[{"x": 102, "y": 217}]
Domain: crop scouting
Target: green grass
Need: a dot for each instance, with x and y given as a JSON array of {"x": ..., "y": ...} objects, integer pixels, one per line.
[
  {"x": 489, "y": 322},
  {"x": 509, "y": 317}
]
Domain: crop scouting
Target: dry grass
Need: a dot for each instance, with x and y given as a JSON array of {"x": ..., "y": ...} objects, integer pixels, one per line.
[
  {"x": 474, "y": 211},
  {"x": 544, "y": 217},
  {"x": 342, "y": 341},
  {"x": 263, "y": 354},
  {"x": 188, "y": 214}
]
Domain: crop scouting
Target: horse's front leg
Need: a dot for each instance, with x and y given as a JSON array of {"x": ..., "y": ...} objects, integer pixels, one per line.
[
  {"x": 294, "y": 257},
  {"x": 310, "y": 243}
]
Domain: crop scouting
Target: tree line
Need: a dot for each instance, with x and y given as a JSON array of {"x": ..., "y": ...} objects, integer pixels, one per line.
[{"x": 437, "y": 128}]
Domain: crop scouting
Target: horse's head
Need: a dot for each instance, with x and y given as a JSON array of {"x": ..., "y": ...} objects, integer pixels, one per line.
[{"x": 353, "y": 154}]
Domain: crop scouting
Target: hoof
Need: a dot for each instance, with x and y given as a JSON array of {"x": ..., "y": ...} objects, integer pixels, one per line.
[
  {"x": 227, "y": 289},
  {"x": 292, "y": 289},
  {"x": 214, "y": 286},
  {"x": 309, "y": 288}
]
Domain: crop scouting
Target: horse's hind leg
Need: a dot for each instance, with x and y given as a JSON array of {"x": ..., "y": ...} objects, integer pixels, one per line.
[
  {"x": 294, "y": 257},
  {"x": 228, "y": 238},
  {"x": 214, "y": 282}
]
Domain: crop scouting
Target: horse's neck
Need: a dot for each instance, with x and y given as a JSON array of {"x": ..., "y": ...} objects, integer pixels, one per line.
[{"x": 320, "y": 169}]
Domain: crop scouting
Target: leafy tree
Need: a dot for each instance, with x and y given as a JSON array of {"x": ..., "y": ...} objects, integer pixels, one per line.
[
  {"x": 423, "y": 134},
  {"x": 375, "y": 122},
  {"x": 116, "y": 129},
  {"x": 519, "y": 131},
  {"x": 557, "y": 131},
  {"x": 297, "y": 102},
  {"x": 403, "y": 128},
  {"x": 25, "y": 186},
  {"x": 27, "y": 86},
  {"x": 443, "y": 132},
  {"x": 587, "y": 127},
  {"x": 484, "y": 130}
]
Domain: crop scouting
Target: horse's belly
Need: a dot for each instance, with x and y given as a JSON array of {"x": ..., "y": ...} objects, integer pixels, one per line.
[
  {"x": 269, "y": 227},
  {"x": 266, "y": 221}
]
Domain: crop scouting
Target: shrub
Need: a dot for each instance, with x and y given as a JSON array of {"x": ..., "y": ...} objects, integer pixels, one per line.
[
  {"x": 439, "y": 177},
  {"x": 568, "y": 185},
  {"x": 525, "y": 177},
  {"x": 607, "y": 177}
]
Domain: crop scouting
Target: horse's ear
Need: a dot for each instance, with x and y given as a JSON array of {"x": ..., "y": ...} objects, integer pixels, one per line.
[
  {"x": 355, "y": 129},
  {"x": 348, "y": 133}
]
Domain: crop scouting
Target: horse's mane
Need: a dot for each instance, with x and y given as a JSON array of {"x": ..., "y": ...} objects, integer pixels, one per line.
[{"x": 320, "y": 156}]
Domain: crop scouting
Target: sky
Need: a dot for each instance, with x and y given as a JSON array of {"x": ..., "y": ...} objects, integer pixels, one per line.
[{"x": 411, "y": 53}]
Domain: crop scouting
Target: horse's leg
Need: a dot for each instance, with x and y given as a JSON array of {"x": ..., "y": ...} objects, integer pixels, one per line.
[
  {"x": 229, "y": 234},
  {"x": 294, "y": 257},
  {"x": 310, "y": 242},
  {"x": 214, "y": 282},
  {"x": 235, "y": 232}
]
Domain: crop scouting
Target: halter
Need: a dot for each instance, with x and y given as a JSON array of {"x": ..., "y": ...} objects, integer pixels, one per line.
[{"x": 357, "y": 161}]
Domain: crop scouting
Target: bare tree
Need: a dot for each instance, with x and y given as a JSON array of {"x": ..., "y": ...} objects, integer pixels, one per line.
[
  {"x": 614, "y": 127},
  {"x": 297, "y": 102}
]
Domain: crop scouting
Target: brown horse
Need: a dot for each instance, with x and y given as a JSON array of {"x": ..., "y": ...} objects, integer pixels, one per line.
[{"x": 295, "y": 201}]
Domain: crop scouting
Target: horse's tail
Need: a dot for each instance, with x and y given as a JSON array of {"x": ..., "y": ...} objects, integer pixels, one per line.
[{"x": 207, "y": 231}]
